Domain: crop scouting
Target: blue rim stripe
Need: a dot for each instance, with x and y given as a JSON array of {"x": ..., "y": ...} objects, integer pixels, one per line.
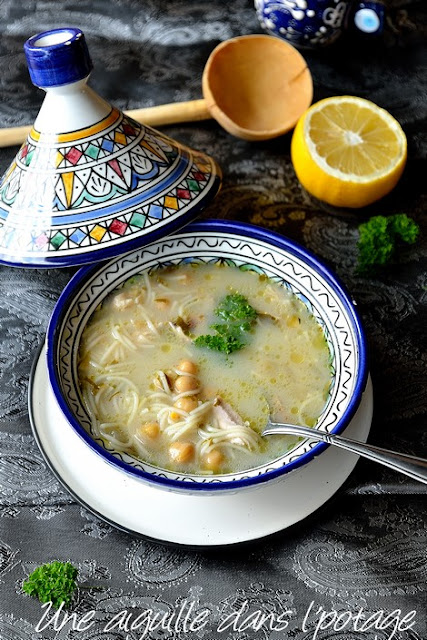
[{"x": 250, "y": 231}]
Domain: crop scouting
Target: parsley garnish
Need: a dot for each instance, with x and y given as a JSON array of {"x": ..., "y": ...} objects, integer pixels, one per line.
[
  {"x": 235, "y": 307},
  {"x": 238, "y": 317},
  {"x": 53, "y": 582},
  {"x": 378, "y": 239}
]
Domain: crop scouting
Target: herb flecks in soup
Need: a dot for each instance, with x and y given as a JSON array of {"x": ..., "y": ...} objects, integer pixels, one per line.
[{"x": 154, "y": 391}]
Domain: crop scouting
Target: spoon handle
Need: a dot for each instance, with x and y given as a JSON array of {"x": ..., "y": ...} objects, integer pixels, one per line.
[
  {"x": 172, "y": 113},
  {"x": 412, "y": 466}
]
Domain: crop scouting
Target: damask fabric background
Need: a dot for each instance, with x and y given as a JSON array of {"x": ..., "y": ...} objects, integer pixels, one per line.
[{"x": 365, "y": 550}]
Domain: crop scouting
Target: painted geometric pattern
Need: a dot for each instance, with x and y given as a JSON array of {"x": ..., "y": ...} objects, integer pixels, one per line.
[
  {"x": 113, "y": 165},
  {"x": 127, "y": 224},
  {"x": 103, "y": 188},
  {"x": 77, "y": 155}
]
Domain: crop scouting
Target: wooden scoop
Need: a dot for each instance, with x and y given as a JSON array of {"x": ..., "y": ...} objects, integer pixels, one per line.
[{"x": 256, "y": 87}]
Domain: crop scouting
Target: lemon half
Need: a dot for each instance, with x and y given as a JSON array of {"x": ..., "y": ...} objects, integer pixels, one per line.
[{"x": 348, "y": 152}]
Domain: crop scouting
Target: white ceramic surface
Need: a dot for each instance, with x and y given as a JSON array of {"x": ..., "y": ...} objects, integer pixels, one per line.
[
  {"x": 198, "y": 520},
  {"x": 77, "y": 105}
]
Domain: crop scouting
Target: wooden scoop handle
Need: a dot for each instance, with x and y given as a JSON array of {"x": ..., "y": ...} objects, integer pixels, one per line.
[
  {"x": 151, "y": 116},
  {"x": 171, "y": 113}
]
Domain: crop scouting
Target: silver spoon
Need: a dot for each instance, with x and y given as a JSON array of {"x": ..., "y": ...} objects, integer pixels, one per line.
[{"x": 412, "y": 466}]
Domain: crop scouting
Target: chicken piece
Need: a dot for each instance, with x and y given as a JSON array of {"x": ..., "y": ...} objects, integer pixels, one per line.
[
  {"x": 123, "y": 300},
  {"x": 227, "y": 418},
  {"x": 180, "y": 332}
]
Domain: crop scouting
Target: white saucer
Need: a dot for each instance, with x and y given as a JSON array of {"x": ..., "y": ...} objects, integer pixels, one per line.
[{"x": 130, "y": 504}]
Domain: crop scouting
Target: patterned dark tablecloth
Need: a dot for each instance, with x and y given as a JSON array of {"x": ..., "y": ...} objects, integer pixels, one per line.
[{"x": 365, "y": 554}]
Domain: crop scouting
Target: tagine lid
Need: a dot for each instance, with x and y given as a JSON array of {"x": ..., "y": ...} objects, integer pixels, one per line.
[{"x": 90, "y": 183}]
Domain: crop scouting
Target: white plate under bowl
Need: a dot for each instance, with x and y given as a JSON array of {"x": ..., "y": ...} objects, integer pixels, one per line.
[{"x": 131, "y": 504}]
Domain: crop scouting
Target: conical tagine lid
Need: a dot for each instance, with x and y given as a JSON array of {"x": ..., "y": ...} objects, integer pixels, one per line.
[{"x": 90, "y": 183}]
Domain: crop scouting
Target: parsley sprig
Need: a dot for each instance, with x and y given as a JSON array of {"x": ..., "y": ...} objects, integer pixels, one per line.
[
  {"x": 237, "y": 319},
  {"x": 379, "y": 239},
  {"x": 52, "y": 582}
]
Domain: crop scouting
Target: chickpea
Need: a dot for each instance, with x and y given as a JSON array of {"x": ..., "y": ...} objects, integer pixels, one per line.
[
  {"x": 150, "y": 429},
  {"x": 174, "y": 416},
  {"x": 188, "y": 403},
  {"x": 181, "y": 451},
  {"x": 213, "y": 460},
  {"x": 186, "y": 383},
  {"x": 187, "y": 366}
]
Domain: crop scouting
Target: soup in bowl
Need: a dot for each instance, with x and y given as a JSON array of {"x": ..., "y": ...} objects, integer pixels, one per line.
[{"x": 168, "y": 360}]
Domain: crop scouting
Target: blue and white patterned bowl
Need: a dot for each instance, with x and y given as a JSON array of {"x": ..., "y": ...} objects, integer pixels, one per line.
[{"x": 208, "y": 241}]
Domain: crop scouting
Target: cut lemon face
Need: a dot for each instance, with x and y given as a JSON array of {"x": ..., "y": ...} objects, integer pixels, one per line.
[{"x": 347, "y": 151}]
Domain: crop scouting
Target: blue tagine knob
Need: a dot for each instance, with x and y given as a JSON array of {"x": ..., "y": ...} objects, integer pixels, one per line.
[
  {"x": 58, "y": 57},
  {"x": 90, "y": 183}
]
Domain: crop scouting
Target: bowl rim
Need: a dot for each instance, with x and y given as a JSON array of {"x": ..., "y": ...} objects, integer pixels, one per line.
[{"x": 252, "y": 232}]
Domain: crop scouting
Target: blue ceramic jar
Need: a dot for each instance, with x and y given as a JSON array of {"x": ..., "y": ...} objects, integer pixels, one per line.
[{"x": 317, "y": 23}]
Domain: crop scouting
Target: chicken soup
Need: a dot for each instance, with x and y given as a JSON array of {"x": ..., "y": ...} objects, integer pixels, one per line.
[{"x": 182, "y": 366}]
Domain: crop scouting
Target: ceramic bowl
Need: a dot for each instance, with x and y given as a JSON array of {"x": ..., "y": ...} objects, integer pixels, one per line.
[{"x": 244, "y": 246}]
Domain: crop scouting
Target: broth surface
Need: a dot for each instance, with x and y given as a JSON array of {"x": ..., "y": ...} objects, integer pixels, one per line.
[{"x": 204, "y": 417}]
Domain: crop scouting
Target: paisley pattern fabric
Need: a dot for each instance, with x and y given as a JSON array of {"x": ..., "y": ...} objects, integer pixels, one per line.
[{"x": 365, "y": 551}]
